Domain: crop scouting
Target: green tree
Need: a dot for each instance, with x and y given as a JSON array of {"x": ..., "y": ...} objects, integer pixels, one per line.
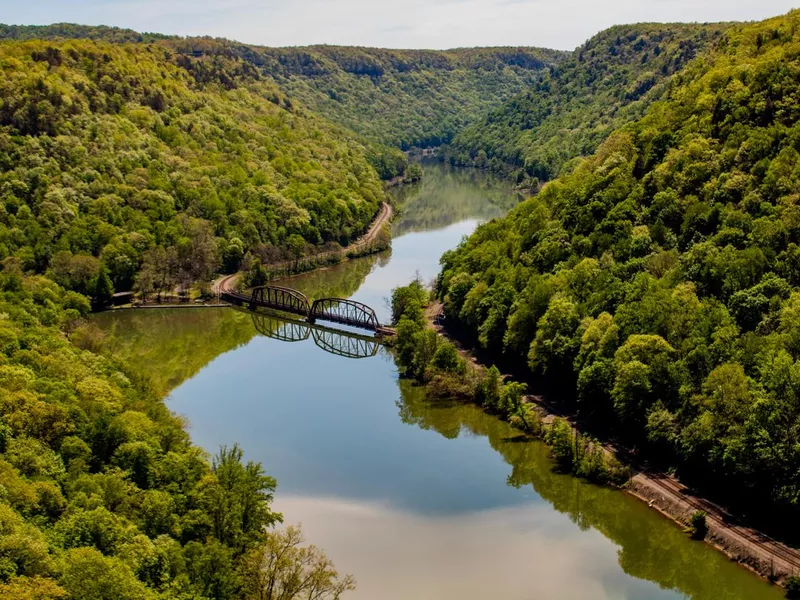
[
  {"x": 236, "y": 496},
  {"x": 102, "y": 290},
  {"x": 556, "y": 344},
  {"x": 447, "y": 359},
  {"x": 282, "y": 568},
  {"x": 699, "y": 524},
  {"x": 489, "y": 389},
  {"x": 513, "y": 402},
  {"x": 88, "y": 575}
]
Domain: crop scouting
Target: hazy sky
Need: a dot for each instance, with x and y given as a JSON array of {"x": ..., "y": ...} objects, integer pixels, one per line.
[{"x": 389, "y": 23}]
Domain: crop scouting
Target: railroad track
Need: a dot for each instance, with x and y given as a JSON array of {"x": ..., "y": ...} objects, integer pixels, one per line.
[
  {"x": 770, "y": 547},
  {"x": 224, "y": 283}
]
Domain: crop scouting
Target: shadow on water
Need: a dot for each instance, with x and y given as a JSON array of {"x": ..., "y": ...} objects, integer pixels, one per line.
[{"x": 173, "y": 345}]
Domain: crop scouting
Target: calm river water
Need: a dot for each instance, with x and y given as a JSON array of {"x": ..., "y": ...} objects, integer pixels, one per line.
[{"x": 418, "y": 499}]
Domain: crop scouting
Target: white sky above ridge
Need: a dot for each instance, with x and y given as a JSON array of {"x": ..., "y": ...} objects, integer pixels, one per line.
[{"x": 562, "y": 24}]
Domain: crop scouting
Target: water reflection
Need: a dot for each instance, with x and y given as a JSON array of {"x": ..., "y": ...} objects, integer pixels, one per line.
[
  {"x": 337, "y": 281},
  {"x": 648, "y": 546},
  {"x": 516, "y": 553},
  {"x": 335, "y": 341},
  {"x": 448, "y": 195},
  {"x": 173, "y": 345},
  {"x": 441, "y": 502}
]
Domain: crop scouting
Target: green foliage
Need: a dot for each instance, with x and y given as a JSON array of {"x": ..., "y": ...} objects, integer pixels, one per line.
[
  {"x": 438, "y": 364},
  {"x": 561, "y": 439},
  {"x": 88, "y": 575},
  {"x": 565, "y": 114},
  {"x": 102, "y": 290},
  {"x": 792, "y": 587},
  {"x": 413, "y": 173},
  {"x": 448, "y": 360},
  {"x": 699, "y": 524},
  {"x": 237, "y": 499},
  {"x": 409, "y": 301},
  {"x": 402, "y": 98},
  {"x": 69, "y": 30},
  {"x": 654, "y": 286},
  {"x": 130, "y": 164},
  {"x": 489, "y": 390},
  {"x": 101, "y": 493}
]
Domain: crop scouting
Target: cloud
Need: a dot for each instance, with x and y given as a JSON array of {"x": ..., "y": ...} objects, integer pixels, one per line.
[
  {"x": 513, "y": 553},
  {"x": 412, "y": 23}
]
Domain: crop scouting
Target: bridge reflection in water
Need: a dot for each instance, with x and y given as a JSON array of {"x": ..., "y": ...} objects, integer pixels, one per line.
[
  {"x": 335, "y": 341},
  {"x": 336, "y": 310}
]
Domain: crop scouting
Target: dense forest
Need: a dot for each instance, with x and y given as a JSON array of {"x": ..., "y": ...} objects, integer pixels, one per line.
[
  {"x": 607, "y": 82},
  {"x": 400, "y": 98},
  {"x": 133, "y": 161},
  {"x": 66, "y": 31},
  {"x": 405, "y": 98},
  {"x": 654, "y": 288},
  {"x": 134, "y": 165},
  {"x": 121, "y": 159},
  {"x": 102, "y": 494}
]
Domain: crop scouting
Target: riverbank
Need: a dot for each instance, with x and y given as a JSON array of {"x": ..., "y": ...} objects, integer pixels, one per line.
[
  {"x": 228, "y": 283},
  {"x": 363, "y": 245},
  {"x": 363, "y": 456},
  {"x": 662, "y": 492}
]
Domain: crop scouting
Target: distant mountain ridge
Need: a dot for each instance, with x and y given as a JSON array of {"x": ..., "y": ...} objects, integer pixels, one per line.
[
  {"x": 401, "y": 98},
  {"x": 607, "y": 82},
  {"x": 69, "y": 31}
]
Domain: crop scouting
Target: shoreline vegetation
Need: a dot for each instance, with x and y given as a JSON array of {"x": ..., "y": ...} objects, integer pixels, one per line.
[
  {"x": 376, "y": 239},
  {"x": 652, "y": 288},
  {"x": 429, "y": 355},
  {"x": 102, "y": 493},
  {"x": 654, "y": 284},
  {"x": 437, "y": 363}
]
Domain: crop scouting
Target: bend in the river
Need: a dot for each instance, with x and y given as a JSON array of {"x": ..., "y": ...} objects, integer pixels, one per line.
[{"x": 419, "y": 499}]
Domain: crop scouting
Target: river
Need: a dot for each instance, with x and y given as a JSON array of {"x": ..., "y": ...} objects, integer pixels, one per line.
[{"x": 418, "y": 499}]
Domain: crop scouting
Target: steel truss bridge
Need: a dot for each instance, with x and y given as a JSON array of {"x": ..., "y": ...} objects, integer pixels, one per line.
[
  {"x": 288, "y": 300},
  {"x": 340, "y": 343}
]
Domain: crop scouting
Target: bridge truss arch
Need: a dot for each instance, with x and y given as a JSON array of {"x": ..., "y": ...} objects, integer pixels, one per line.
[
  {"x": 346, "y": 312},
  {"x": 281, "y": 329},
  {"x": 280, "y": 298},
  {"x": 345, "y": 345}
]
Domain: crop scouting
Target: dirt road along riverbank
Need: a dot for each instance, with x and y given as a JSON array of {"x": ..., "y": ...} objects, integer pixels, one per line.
[
  {"x": 227, "y": 283},
  {"x": 757, "y": 551}
]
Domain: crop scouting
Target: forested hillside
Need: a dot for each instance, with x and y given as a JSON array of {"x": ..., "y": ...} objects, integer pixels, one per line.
[
  {"x": 405, "y": 97},
  {"x": 400, "y": 98},
  {"x": 655, "y": 288},
  {"x": 127, "y": 165},
  {"x": 607, "y": 82},
  {"x": 66, "y": 31},
  {"x": 102, "y": 494},
  {"x": 116, "y": 159}
]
